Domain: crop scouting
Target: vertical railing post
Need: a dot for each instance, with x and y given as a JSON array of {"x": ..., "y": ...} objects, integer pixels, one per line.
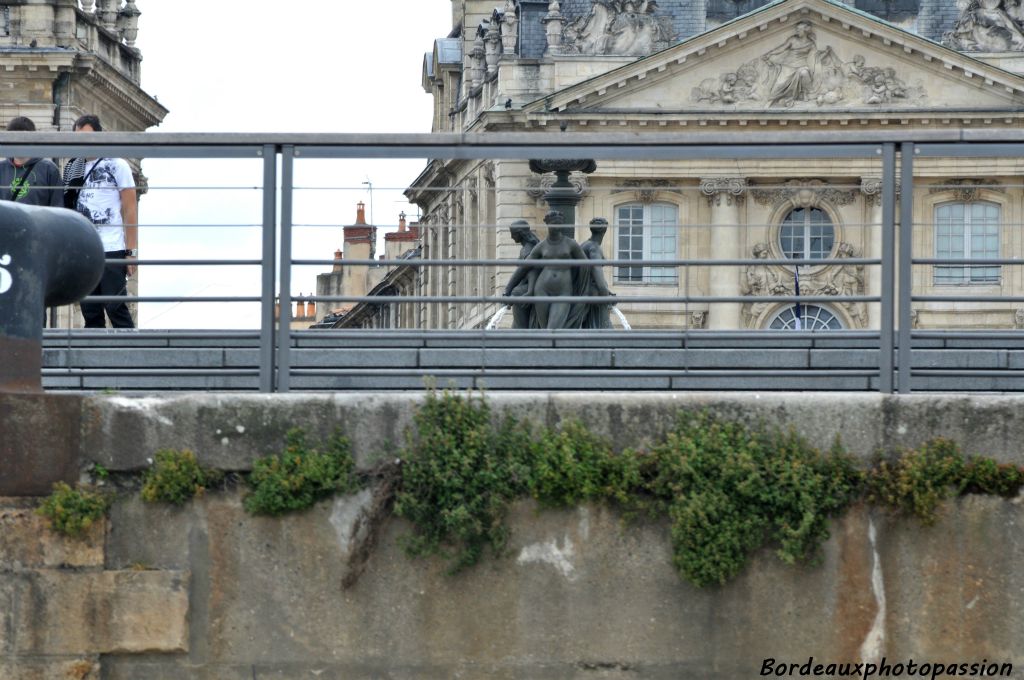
[
  {"x": 886, "y": 348},
  {"x": 269, "y": 290},
  {"x": 906, "y": 256},
  {"x": 284, "y": 330}
]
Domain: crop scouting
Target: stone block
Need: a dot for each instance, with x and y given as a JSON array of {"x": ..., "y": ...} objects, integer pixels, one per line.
[
  {"x": 26, "y": 541},
  {"x": 39, "y": 442},
  {"x": 985, "y": 359},
  {"x": 108, "y": 612},
  {"x": 50, "y": 669},
  {"x": 163, "y": 358},
  {"x": 844, "y": 358},
  {"x": 351, "y": 357},
  {"x": 527, "y": 358}
]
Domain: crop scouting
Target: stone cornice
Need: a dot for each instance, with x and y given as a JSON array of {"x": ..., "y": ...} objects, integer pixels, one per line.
[{"x": 122, "y": 90}]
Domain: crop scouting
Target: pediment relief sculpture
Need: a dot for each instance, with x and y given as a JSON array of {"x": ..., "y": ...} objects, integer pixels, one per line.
[
  {"x": 988, "y": 26},
  {"x": 797, "y": 72},
  {"x": 804, "y": 193},
  {"x": 618, "y": 27},
  {"x": 838, "y": 280}
]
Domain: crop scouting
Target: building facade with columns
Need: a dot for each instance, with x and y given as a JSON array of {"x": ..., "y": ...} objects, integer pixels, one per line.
[
  {"x": 576, "y": 66},
  {"x": 65, "y": 58}
]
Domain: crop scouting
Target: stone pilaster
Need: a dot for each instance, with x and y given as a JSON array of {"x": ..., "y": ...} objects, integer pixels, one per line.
[
  {"x": 725, "y": 196},
  {"x": 871, "y": 188}
]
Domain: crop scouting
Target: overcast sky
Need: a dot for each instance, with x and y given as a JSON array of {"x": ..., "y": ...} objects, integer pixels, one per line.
[{"x": 244, "y": 66}]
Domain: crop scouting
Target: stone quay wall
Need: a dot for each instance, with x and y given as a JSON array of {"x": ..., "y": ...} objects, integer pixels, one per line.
[{"x": 209, "y": 592}]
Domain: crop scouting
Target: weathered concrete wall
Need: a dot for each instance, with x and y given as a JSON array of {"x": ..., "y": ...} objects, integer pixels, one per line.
[
  {"x": 228, "y": 431},
  {"x": 208, "y": 592}
]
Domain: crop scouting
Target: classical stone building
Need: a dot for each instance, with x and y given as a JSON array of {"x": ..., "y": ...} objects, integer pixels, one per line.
[
  {"x": 65, "y": 58},
  {"x": 570, "y": 67}
]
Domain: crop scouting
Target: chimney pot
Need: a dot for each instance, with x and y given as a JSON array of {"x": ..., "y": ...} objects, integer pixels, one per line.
[{"x": 360, "y": 213}]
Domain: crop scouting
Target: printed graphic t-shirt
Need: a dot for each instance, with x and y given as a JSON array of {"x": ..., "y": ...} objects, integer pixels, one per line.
[{"x": 100, "y": 199}]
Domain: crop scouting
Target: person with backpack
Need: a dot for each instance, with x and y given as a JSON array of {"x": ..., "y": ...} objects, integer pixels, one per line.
[
  {"x": 103, "y": 190},
  {"x": 30, "y": 181}
]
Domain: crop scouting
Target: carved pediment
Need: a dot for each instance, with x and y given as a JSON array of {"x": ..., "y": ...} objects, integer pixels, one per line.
[{"x": 796, "y": 57}]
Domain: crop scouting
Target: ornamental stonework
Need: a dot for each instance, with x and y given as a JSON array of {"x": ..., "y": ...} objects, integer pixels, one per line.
[
  {"x": 732, "y": 189},
  {"x": 800, "y": 73},
  {"x": 646, "y": 190},
  {"x": 618, "y": 27},
  {"x": 966, "y": 190},
  {"x": 988, "y": 26},
  {"x": 804, "y": 193},
  {"x": 538, "y": 185}
]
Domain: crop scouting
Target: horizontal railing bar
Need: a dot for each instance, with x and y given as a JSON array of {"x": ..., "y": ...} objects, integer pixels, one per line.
[
  {"x": 593, "y": 299},
  {"x": 690, "y": 137},
  {"x": 141, "y": 298},
  {"x": 966, "y": 261},
  {"x": 421, "y": 262},
  {"x": 583, "y": 372},
  {"x": 999, "y": 150},
  {"x": 602, "y": 152},
  {"x": 969, "y": 372},
  {"x": 185, "y": 263},
  {"x": 566, "y": 334},
  {"x": 97, "y": 149},
  {"x": 987, "y": 334},
  {"x": 966, "y": 298},
  {"x": 168, "y": 372},
  {"x": 148, "y": 334}
]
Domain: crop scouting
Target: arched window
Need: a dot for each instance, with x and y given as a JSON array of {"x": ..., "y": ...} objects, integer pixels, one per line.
[
  {"x": 970, "y": 231},
  {"x": 646, "y": 232},
  {"x": 807, "y": 234},
  {"x": 812, "y": 318}
]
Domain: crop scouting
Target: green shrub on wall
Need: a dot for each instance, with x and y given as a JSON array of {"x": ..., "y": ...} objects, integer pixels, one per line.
[
  {"x": 572, "y": 465},
  {"x": 459, "y": 474},
  {"x": 728, "y": 489},
  {"x": 176, "y": 477},
  {"x": 300, "y": 476},
  {"x": 73, "y": 511}
]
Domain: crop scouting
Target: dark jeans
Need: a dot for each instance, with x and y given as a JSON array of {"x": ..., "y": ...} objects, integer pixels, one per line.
[{"x": 114, "y": 282}]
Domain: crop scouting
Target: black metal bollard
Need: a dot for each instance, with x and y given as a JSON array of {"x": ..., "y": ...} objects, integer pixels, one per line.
[{"x": 48, "y": 257}]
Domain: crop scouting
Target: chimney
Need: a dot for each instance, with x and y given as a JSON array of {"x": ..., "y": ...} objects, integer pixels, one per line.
[
  {"x": 360, "y": 213},
  {"x": 338, "y": 257},
  {"x": 310, "y": 309},
  {"x": 402, "y": 226}
]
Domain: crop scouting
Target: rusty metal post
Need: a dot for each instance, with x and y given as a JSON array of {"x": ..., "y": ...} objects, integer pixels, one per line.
[{"x": 48, "y": 257}]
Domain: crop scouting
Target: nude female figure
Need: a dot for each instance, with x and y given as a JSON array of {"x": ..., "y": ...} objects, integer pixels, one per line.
[{"x": 551, "y": 280}]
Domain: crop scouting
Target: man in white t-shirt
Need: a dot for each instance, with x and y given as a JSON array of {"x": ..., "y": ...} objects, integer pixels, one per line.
[{"x": 107, "y": 197}]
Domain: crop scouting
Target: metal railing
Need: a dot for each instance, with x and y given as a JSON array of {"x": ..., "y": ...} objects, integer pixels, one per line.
[{"x": 276, "y": 344}]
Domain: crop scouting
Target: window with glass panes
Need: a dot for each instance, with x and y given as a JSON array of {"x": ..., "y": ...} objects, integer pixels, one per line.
[
  {"x": 812, "y": 318},
  {"x": 807, "y": 234},
  {"x": 970, "y": 231},
  {"x": 646, "y": 232}
]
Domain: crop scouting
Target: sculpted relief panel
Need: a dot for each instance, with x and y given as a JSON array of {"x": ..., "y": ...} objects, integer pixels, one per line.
[
  {"x": 988, "y": 26},
  {"x": 797, "y": 72},
  {"x": 618, "y": 27},
  {"x": 838, "y": 280}
]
